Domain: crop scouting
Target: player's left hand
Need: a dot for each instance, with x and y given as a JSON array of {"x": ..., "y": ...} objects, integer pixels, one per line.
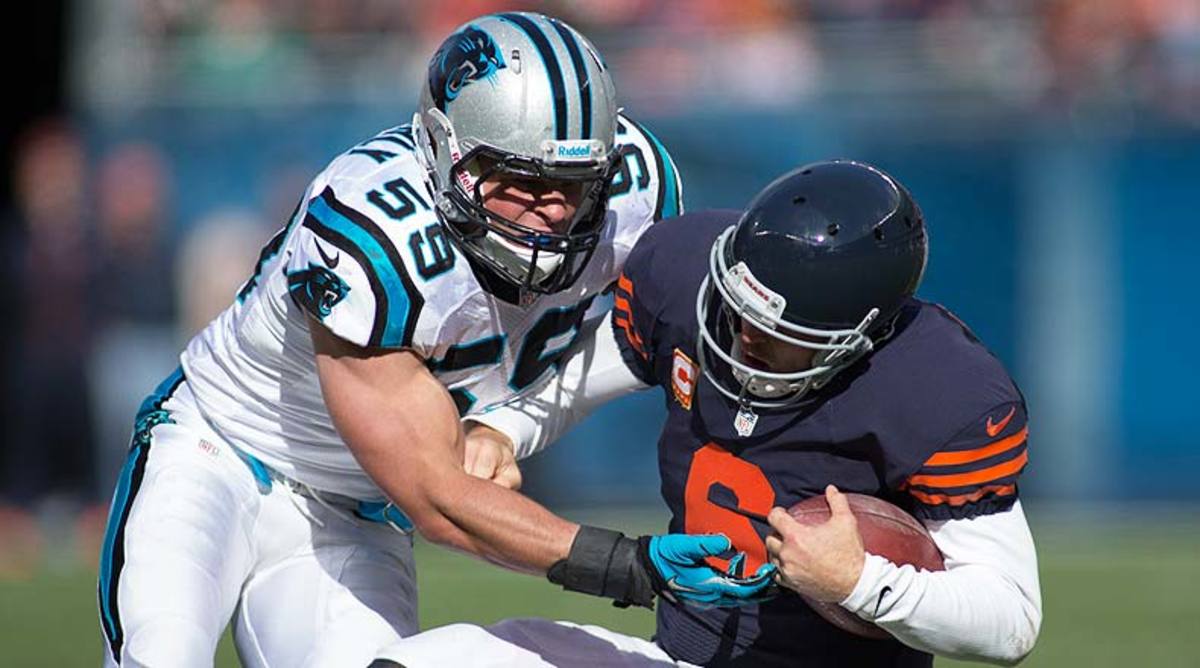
[
  {"x": 822, "y": 561},
  {"x": 676, "y": 563},
  {"x": 488, "y": 454}
]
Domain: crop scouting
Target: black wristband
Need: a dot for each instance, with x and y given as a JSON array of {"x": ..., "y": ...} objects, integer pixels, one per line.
[{"x": 603, "y": 562}]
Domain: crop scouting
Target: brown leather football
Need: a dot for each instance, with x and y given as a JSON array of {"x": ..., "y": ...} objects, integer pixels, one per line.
[{"x": 887, "y": 531}]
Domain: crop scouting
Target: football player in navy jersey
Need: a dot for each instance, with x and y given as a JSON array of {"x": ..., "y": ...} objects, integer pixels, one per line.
[{"x": 795, "y": 361}]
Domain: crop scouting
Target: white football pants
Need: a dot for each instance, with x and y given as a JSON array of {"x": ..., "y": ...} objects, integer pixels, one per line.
[
  {"x": 194, "y": 541},
  {"x": 526, "y": 643}
]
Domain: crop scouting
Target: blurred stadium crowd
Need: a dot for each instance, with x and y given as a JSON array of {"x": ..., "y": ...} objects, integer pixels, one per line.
[
  {"x": 1025, "y": 52},
  {"x": 106, "y": 276}
]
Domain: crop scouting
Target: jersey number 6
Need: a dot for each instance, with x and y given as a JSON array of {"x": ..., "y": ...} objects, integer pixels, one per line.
[{"x": 721, "y": 492}]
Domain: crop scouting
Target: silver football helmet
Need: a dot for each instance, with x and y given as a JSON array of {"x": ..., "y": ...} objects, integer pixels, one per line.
[{"x": 526, "y": 97}]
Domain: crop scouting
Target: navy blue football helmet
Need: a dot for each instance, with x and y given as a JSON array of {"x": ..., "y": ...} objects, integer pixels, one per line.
[{"x": 824, "y": 257}]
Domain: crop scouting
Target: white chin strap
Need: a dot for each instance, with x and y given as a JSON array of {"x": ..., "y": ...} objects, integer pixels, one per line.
[{"x": 517, "y": 258}]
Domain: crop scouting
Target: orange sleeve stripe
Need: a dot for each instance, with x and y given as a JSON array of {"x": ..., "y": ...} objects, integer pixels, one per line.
[
  {"x": 623, "y": 313},
  {"x": 634, "y": 339},
  {"x": 974, "y": 477},
  {"x": 989, "y": 450},
  {"x": 961, "y": 499},
  {"x": 622, "y": 304}
]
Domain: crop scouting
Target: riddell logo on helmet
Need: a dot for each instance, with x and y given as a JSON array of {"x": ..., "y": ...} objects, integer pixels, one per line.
[{"x": 577, "y": 151}]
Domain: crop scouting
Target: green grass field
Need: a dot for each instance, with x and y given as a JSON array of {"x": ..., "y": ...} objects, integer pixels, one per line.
[{"x": 1125, "y": 592}]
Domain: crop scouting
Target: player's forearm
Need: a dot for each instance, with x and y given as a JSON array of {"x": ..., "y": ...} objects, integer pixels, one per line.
[
  {"x": 402, "y": 427},
  {"x": 985, "y": 607},
  {"x": 496, "y": 524},
  {"x": 970, "y": 613},
  {"x": 592, "y": 376},
  {"x": 452, "y": 508},
  {"x": 419, "y": 467}
]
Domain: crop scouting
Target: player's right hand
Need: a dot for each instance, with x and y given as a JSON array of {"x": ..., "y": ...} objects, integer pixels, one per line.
[
  {"x": 676, "y": 563},
  {"x": 488, "y": 454}
]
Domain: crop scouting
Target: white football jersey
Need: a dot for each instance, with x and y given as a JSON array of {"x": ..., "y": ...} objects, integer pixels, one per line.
[{"x": 365, "y": 253}]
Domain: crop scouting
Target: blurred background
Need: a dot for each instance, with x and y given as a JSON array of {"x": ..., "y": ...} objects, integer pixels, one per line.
[{"x": 1053, "y": 144}]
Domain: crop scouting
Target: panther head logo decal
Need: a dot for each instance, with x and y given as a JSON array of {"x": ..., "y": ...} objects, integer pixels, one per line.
[
  {"x": 465, "y": 56},
  {"x": 317, "y": 289}
]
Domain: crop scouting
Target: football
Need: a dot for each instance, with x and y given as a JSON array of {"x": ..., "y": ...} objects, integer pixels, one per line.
[{"x": 887, "y": 531}]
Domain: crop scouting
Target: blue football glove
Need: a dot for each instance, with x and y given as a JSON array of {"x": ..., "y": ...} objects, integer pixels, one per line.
[
  {"x": 606, "y": 563},
  {"x": 678, "y": 571}
]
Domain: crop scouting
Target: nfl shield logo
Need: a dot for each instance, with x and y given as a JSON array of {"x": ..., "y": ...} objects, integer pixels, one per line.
[
  {"x": 745, "y": 421},
  {"x": 683, "y": 379}
]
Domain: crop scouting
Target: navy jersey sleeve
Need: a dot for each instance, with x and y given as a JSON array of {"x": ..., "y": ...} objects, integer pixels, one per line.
[
  {"x": 632, "y": 326},
  {"x": 976, "y": 471},
  {"x": 654, "y": 307}
]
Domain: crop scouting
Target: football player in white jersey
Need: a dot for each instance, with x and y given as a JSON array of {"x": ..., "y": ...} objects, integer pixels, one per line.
[{"x": 428, "y": 272}]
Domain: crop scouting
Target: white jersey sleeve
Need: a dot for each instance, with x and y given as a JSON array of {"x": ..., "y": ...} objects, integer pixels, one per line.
[
  {"x": 647, "y": 167},
  {"x": 646, "y": 189},
  {"x": 347, "y": 273},
  {"x": 986, "y": 605},
  {"x": 592, "y": 376}
]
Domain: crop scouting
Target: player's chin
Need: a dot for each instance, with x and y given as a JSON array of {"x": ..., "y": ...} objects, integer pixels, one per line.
[
  {"x": 545, "y": 224},
  {"x": 756, "y": 363}
]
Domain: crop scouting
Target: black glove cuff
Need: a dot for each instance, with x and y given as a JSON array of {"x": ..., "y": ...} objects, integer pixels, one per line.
[
  {"x": 603, "y": 562},
  {"x": 654, "y": 579}
]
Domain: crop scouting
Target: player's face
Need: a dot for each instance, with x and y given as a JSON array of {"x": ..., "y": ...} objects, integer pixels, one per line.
[
  {"x": 542, "y": 205},
  {"x": 765, "y": 352}
]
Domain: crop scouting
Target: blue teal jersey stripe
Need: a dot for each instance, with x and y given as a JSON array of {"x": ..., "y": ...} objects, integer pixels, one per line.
[
  {"x": 553, "y": 71},
  {"x": 581, "y": 76},
  {"x": 116, "y": 519},
  {"x": 112, "y": 556},
  {"x": 672, "y": 202},
  {"x": 397, "y": 328},
  {"x": 161, "y": 393}
]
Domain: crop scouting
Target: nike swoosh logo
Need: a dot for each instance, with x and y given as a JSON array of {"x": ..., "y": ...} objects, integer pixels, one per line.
[
  {"x": 993, "y": 429},
  {"x": 674, "y": 585},
  {"x": 331, "y": 262},
  {"x": 883, "y": 592}
]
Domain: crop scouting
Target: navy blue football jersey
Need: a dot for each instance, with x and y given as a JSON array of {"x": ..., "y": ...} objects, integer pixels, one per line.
[{"x": 929, "y": 421}]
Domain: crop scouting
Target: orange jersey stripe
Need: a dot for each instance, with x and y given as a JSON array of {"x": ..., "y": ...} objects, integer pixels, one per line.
[
  {"x": 989, "y": 450},
  {"x": 621, "y": 307},
  {"x": 960, "y": 499},
  {"x": 634, "y": 339},
  {"x": 974, "y": 477},
  {"x": 622, "y": 304}
]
